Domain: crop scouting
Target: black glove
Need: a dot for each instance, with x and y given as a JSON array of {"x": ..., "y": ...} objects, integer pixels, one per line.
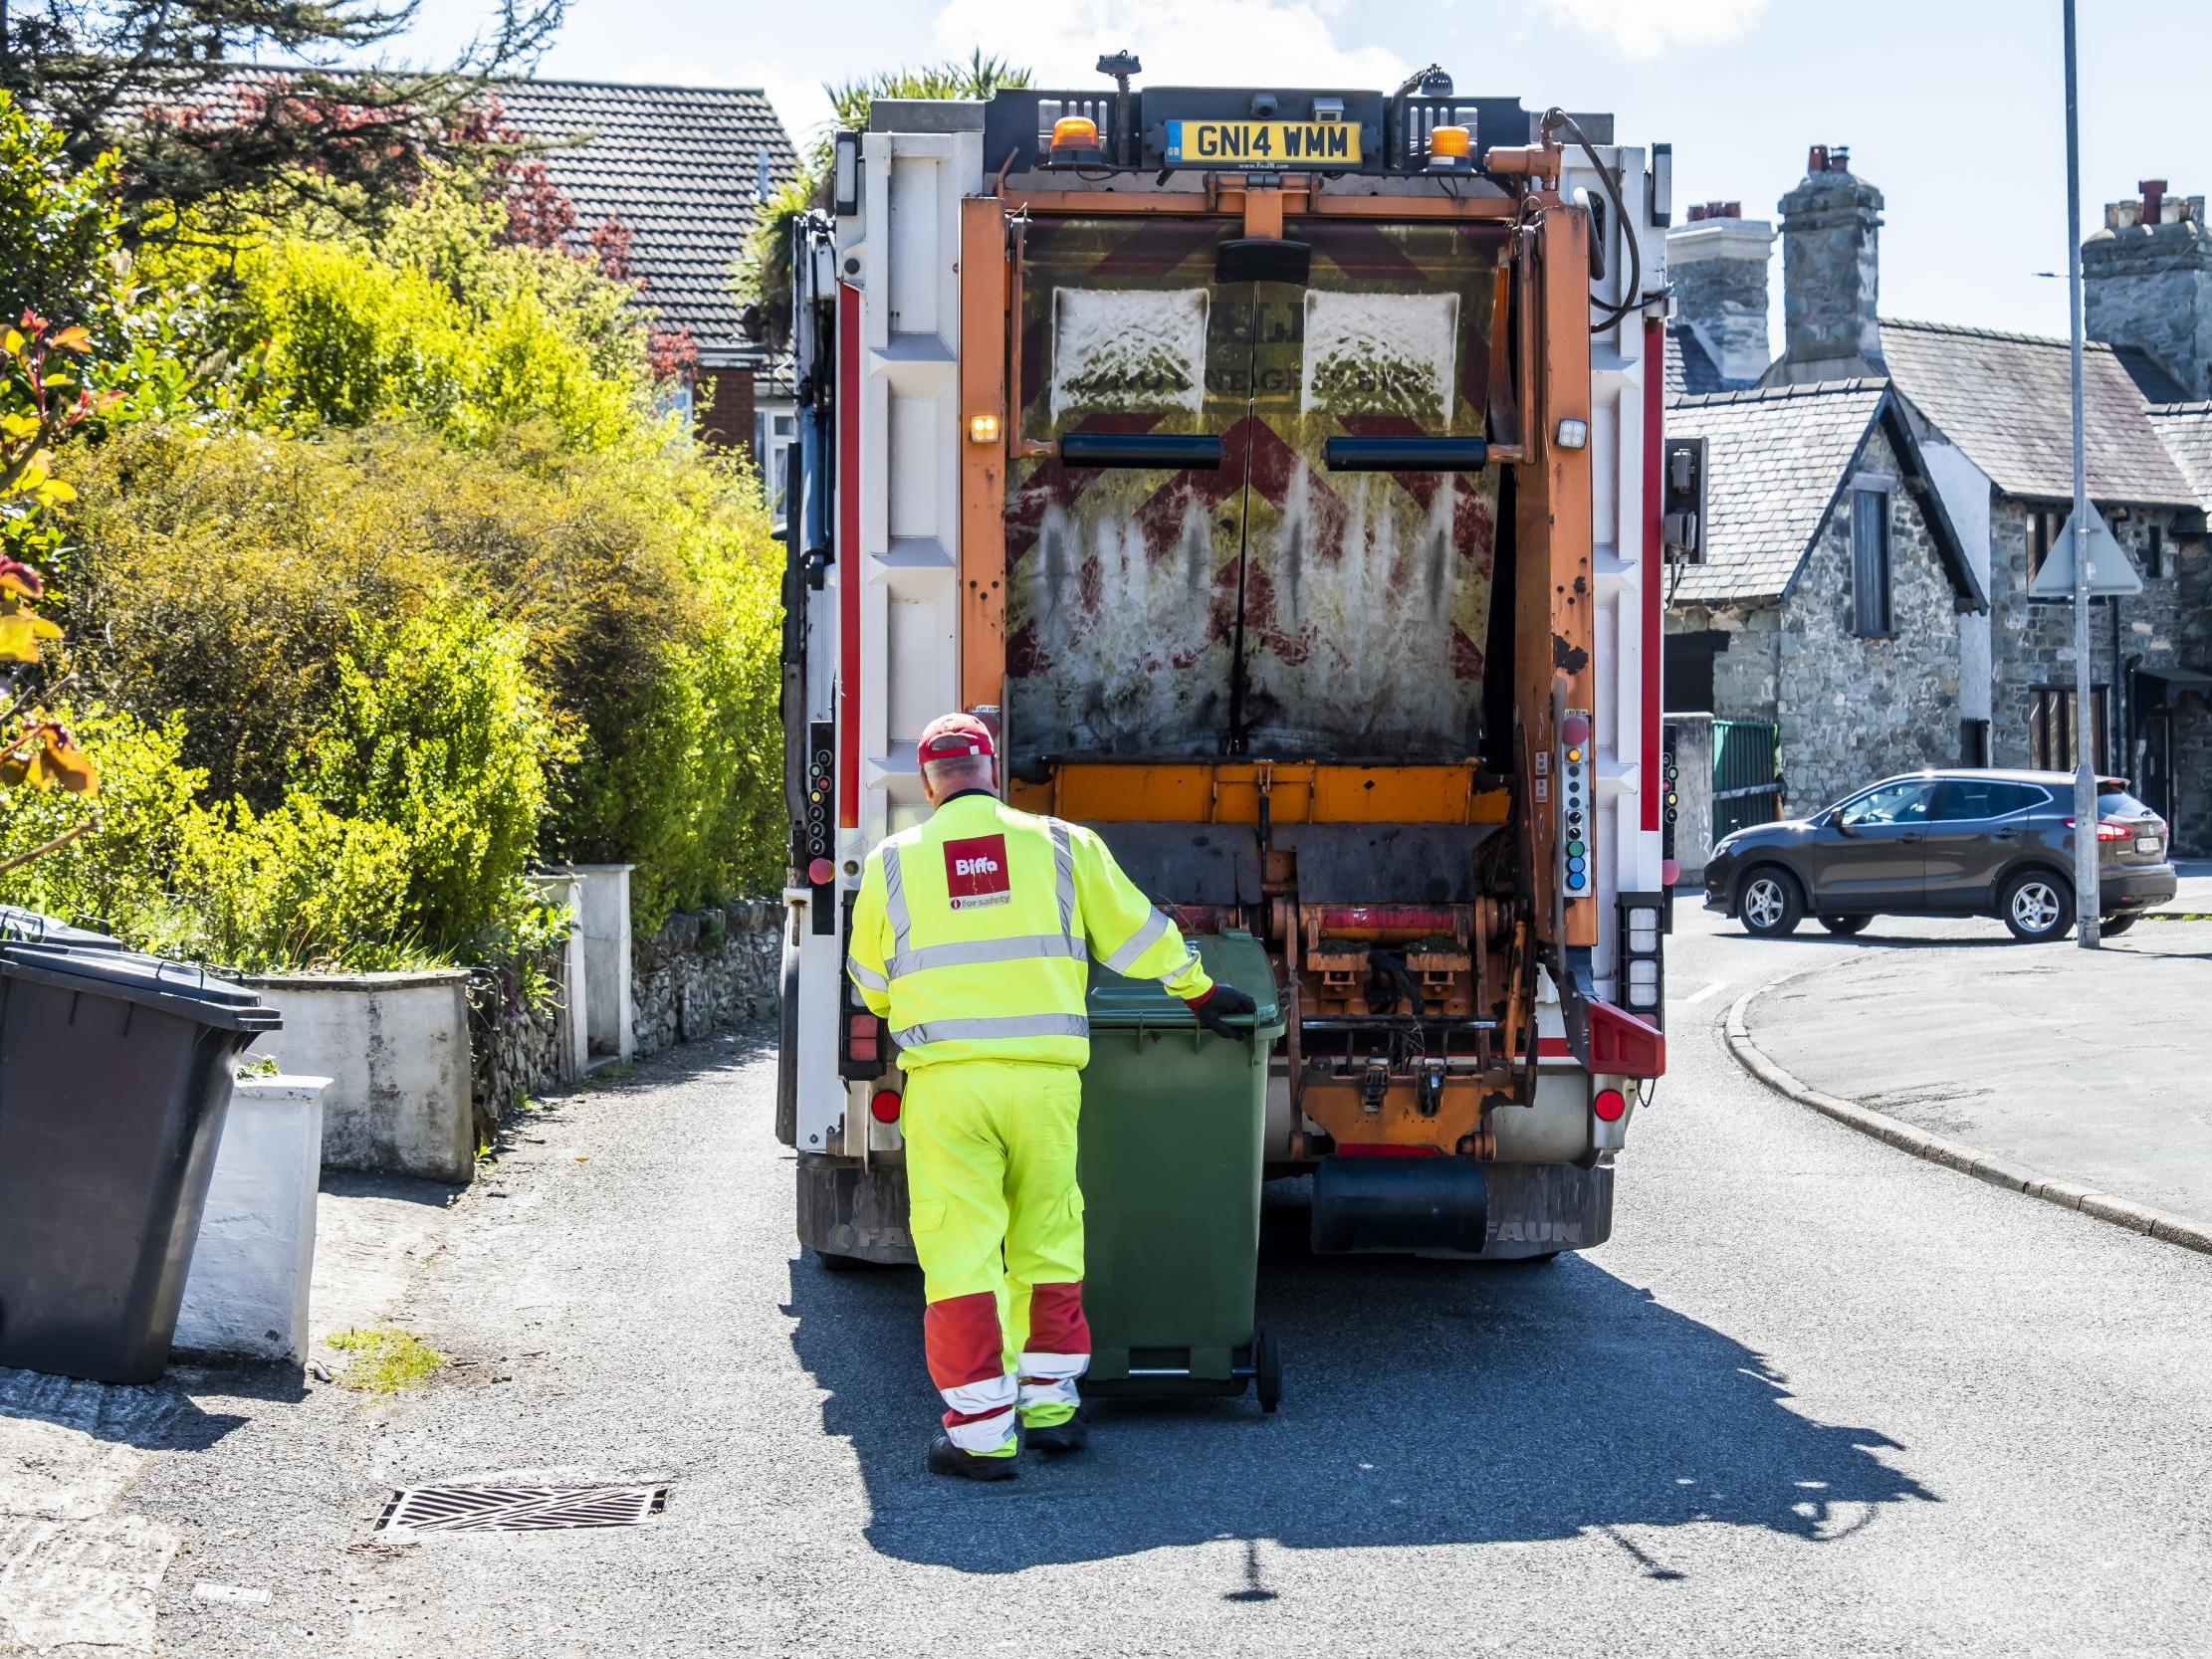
[{"x": 1219, "y": 1007}]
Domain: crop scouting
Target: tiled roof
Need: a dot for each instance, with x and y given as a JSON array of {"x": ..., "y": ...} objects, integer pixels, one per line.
[
  {"x": 1690, "y": 370},
  {"x": 2187, "y": 431},
  {"x": 1774, "y": 461},
  {"x": 680, "y": 166},
  {"x": 2005, "y": 400}
]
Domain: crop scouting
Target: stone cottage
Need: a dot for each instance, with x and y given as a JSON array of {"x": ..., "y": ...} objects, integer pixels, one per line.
[
  {"x": 1832, "y": 586},
  {"x": 1989, "y": 413}
]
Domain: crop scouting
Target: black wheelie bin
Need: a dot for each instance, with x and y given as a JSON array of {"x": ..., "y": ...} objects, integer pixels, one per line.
[
  {"x": 1170, "y": 1167},
  {"x": 116, "y": 1072}
]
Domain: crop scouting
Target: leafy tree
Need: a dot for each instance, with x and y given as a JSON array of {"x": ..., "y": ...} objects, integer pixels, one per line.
[{"x": 151, "y": 76}]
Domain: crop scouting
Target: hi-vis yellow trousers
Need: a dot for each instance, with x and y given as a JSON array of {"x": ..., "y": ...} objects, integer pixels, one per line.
[{"x": 997, "y": 1223}]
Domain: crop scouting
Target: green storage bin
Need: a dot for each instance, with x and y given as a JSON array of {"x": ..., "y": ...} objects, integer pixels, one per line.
[{"x": 1171, "y": 1165}]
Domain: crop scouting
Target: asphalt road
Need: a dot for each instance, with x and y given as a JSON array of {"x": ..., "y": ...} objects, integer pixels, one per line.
[{"x": 1816, "y": 1397}]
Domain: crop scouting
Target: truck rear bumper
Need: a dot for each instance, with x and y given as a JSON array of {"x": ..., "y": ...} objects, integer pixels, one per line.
[{"x": 1533, "y": 1209}]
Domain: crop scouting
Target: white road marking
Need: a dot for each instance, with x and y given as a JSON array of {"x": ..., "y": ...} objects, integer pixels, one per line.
[{"x": 1699, "y": 996}]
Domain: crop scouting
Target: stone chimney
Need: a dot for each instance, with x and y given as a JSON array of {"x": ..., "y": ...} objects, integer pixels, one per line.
[
  {"x": 1830, "y": 269},
  {"x": 1718, "y": 262},
  {"x": 2146, "y": 283}
]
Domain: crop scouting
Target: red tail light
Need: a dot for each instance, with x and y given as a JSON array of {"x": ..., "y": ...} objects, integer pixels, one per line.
[
  {"x": 1609, "y": 1104},
  {"x": 860, "y": 1038},
  {"x": 885, "y": 1107},
  {"x": 2109, "y": 830}
]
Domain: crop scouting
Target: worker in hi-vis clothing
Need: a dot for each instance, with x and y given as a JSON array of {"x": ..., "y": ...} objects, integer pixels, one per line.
[{"x": 972, "y": 937}]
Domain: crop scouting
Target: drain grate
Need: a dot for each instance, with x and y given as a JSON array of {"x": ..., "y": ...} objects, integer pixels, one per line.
[{"x": 518, "y": 1508}]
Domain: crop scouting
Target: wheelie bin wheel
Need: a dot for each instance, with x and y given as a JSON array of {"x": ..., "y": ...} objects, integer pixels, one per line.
[{"x": 1268, "y": 1369}]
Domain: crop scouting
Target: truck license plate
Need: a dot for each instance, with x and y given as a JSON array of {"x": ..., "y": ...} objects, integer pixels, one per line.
[{"x": 1263, "y": 144}]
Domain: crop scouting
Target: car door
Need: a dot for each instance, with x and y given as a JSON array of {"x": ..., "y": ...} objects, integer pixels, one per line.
[
  {"x": 1874, "y": 857},
  {"x": 1976, "y": 828}
]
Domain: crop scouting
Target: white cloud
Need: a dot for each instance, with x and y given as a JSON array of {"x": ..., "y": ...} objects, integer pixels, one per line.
[
  {"x": 1289, "y": 42},
  {"x": 1646, "y": 28}
]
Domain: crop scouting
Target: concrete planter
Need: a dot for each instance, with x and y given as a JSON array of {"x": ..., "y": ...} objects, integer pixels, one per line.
[
  {"x": 248, "y": 1291},
  {"x": 395, "y": 1047}
]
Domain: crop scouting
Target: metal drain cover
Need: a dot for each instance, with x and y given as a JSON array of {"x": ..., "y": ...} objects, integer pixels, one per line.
[{"x": 518, "y": 1508}]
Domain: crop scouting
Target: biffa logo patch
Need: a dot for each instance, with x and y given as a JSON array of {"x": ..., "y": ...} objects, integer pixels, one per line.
[{"x": 975, "y": 872}]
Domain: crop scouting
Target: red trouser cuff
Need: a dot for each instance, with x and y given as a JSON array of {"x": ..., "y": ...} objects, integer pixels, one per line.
[
  {"x": 960, "y": 1338},
  {"x": 1056, "y": 1322}
]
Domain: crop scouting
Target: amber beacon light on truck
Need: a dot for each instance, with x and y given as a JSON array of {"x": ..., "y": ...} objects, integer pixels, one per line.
[{"x": 1282, "y": 469}]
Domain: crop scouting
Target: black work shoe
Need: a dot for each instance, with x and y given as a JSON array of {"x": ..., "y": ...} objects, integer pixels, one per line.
[
  {"x": 945, "y": 1458},
  {"x": 1070, "y": 1436}
]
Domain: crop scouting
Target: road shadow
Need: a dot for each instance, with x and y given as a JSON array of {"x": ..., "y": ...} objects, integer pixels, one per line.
[{"x": 1424, "y": 1402}]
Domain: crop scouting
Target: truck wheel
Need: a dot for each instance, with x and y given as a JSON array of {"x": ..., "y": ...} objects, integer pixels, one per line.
[
  {"x": 2038, "y": 906},
  {"x": 842, "y": 1263},
  {"x": 1770, "y": 905},
  {"x": 1268, "y": 1364},
  {"x": 786, "y": 1055}
]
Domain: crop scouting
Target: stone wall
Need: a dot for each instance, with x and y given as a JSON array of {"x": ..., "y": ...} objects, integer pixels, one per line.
[
  {"x": 705, "y": 969},
  {"x": 2167, "y": 625},
  {"x": 1853, "y": 709},
  {"x": 1747, "y": 669},
  {"x": 518, "y": 1034}
]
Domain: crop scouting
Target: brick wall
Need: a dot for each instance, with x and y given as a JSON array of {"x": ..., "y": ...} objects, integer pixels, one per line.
[{"x": 723, "y": 398}]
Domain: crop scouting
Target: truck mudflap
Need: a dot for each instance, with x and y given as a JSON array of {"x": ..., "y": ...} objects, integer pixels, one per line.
[{"x": 853, "y": 1211}]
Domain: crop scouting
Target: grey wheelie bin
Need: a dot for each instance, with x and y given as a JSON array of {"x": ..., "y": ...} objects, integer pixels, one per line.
[
  {"x": 115, "y": 1073},
  {"x": 1170, "y": 1167}
]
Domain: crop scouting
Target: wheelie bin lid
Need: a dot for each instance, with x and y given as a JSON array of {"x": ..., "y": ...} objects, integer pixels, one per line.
[
  {"x": 27, "y": 927},
  {"x": 1117, "y": 1003},
  {"x": 180, "y": 989}
]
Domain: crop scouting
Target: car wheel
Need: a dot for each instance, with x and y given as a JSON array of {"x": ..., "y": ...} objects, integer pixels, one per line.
[
  {"x": 1845, "y": 925},
  {"x": 2112, "y": 926},
  {"x": 2037, "y": 908},
  {"x": 1770, "y": 904}
]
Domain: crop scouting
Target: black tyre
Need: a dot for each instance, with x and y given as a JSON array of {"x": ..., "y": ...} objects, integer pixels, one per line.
[
  {"x": 1769, "y": 903},
  {"x": 842, "y": 1263},
  {"x": 787, "y": 1056},
  {"x": 2038, "y": 906},
  {"x": 1846, "y": 925},
  {"x": 1267, "y": 1367},
  {"x": 2112, "y": 925}
]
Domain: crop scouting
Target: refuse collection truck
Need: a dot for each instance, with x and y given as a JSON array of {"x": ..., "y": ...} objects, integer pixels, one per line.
[{"x": 1279, "y": 467}]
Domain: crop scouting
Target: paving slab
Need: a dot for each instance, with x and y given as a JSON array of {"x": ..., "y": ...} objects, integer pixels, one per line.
[{"x": 2048, "y": 1062}]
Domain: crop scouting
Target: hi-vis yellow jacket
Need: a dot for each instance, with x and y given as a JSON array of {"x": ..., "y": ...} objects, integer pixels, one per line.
[{"x": 972, "y": 936}]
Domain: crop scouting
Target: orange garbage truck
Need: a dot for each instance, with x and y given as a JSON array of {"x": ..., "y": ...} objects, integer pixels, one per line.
[{"x": 1280, "y": 470}]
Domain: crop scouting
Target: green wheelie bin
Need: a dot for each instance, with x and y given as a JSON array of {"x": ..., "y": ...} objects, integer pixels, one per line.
[{"x": 1170, "y": 1167}]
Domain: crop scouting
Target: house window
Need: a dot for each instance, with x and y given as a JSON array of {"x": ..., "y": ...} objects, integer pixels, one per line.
[
  {"x": 2155, "y": 554},
  {"x": 2039, "y": 541},
  {"x": 773, "y": 434},
  {"x": 2052, "y": 729},
  {"x": 1869, "y": 561},
  {"x": 1974, "y": 742}
]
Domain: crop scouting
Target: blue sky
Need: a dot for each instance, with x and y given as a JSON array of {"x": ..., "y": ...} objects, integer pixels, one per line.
[{"x": 1951, "y": 108}]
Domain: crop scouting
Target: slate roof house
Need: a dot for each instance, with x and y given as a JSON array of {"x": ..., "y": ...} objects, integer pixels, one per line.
[
  {"x": 1832, "y": 585},
  {"x": 1988, "y": 415},
  {"x": 685, "y": 169}
]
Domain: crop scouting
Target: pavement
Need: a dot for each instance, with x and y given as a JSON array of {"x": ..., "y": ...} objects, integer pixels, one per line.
[
  {"x": 2083, "y": 1068},
  {"x": 1815, "y": 1395}
]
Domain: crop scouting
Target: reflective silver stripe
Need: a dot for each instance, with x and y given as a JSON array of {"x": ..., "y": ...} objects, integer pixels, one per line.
[
  {"x": 867, "y": 976},
  {"x": 1143, "y": 940},
  {"x": 993, "y": 1393},
  {"x": 1190, "y": 961},
  {"x": 1051, "y": 1368},
  {"x": 1063, "y": 868},
  {"x": 1062, "y": 1392},
  {"x": 986, "y": 1435},
  {"x": 991, "y": 1027},
  {"x": 894, "y": 896},
  {"x": 1023, "y": 947}
]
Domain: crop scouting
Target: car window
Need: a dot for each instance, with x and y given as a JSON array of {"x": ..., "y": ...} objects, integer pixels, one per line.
[
  {"x": 1967, "y": 799},
  {"x": 2119, "y": 803},
  {"x": 1893, "y": 803}
]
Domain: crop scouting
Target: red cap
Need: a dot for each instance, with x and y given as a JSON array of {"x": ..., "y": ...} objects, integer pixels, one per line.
[{"x": 954, "y": 738}]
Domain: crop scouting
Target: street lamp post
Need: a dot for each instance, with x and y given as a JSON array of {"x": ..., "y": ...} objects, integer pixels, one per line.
[{"x": 2084, "y": 771}]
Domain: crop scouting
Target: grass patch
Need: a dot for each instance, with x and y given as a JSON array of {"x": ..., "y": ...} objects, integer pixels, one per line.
[{"x": 386, "y": 1359}]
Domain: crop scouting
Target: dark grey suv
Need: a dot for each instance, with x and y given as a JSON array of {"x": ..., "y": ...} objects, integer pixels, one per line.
[{"x": 1965, "y": 843}]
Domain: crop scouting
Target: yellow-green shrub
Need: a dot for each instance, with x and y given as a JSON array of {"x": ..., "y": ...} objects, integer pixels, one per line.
[{"x": 295, "y": 888}]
